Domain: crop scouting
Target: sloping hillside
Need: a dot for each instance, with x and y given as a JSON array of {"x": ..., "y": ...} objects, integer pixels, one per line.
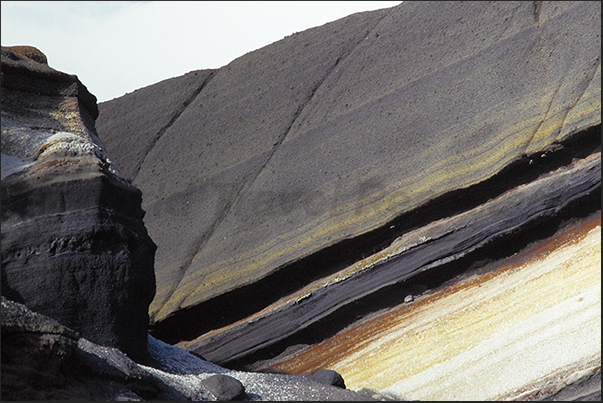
[{"x": 341, "y": 170}]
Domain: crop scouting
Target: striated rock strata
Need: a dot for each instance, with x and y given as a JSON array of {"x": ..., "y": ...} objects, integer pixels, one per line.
[
  {"x": 74, "y": 246},
  {"x": 410, "y": 265},
  {"x": 276, "y": 169},
  {"x": 364, "y": 164}
]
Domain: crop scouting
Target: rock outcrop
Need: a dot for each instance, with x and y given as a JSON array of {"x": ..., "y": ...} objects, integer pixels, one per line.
[
  {"x": 30, "y": 52},
  {"x": 44, "y": 360},
  {"x": 74, "y": 246},
  {"x": 403, "y": 203},
  {"x": 364, "y": 164}
]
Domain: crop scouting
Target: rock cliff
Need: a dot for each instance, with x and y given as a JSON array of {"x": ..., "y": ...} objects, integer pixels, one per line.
[{"x": 74, "y": 246}]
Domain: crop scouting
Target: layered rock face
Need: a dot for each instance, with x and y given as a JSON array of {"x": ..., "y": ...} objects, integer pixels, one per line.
[
  {"x": 74, "y": 246},
  {"x": 372, "y": 163}
]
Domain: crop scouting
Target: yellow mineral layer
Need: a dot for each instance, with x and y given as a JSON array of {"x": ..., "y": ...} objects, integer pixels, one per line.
[{"x": 535, "y": 321}]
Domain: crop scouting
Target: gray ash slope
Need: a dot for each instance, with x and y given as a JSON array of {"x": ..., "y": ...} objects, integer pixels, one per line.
[{"x": 298, "y": 159}]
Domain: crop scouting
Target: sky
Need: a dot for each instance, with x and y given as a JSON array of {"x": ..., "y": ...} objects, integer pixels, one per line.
[{"x": 115, "y": 47}]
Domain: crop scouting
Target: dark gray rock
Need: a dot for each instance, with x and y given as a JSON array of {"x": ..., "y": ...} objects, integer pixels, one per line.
[
  {"x": 31, "y": 52},
  {"x": 587, "y": 388},
  {"x": 329, "y": 377},
  {"x": 74, "y": 246},
  {"x": 16, "y": 318},
  {"x": 224, "y": 387},
  {"x": 44, "y": 360},
  {"x": 28, "y": 76}
]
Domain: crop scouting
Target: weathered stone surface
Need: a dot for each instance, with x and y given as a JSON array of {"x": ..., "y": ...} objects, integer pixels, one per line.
[
  {"x": 329, "y": 377},
  {"x": 32, "y": 79},
  {"x": 226, "y": 141},
  {"x": 145, "y": 115},
  {"x": 334, "y": 132},
  {"x": 44, "y": 360},
  {"x": 224, "y": 387},
  {"x": 74, "y": 246},
  {"x": 16, "y": 318}
]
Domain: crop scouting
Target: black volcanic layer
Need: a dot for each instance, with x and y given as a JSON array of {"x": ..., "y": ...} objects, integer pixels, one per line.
[{"x": 332, "y": 308}]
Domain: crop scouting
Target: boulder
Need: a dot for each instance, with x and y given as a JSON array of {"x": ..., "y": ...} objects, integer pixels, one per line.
[
  {"x": 74, "y": 245},
  {"x": 329, "y": 377},
  {"x": 224, "y": 387}
]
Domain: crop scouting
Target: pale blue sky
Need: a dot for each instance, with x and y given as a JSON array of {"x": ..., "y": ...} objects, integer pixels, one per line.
[{"x": 116, "y": 47}]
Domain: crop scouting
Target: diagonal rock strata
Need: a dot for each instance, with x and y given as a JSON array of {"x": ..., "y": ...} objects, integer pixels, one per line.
[
  {"x": 226, "y": 309},
  {"x": 410, "y": 196},
  {"x": 426, "y": 249},
  {"x": 524, "y": 330},
  {"x": 310, "y": 157},
  {"x": 402, "y": 119}
]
